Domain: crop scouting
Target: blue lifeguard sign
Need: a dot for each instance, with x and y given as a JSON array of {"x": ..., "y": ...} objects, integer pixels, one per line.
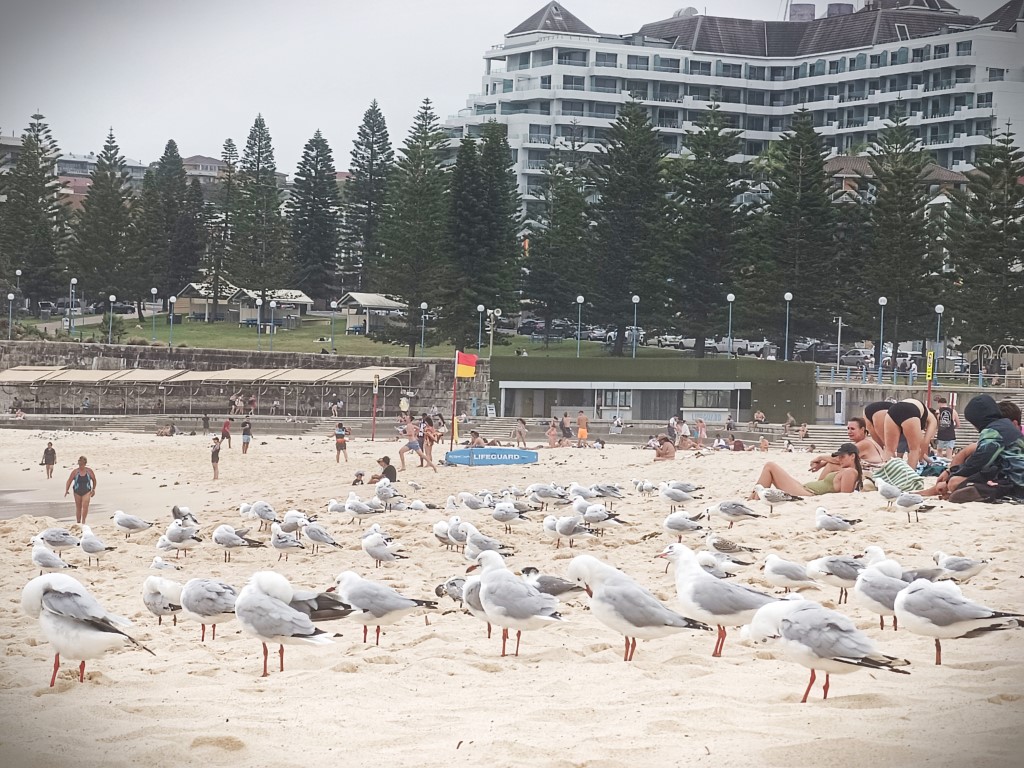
[{"x": 489, "y": 457}]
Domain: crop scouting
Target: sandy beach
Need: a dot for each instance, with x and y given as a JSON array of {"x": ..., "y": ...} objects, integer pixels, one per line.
[{"x": 440, "y": 694}]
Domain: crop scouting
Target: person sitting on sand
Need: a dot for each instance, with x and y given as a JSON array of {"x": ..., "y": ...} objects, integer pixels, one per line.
[
  {"x": 386, "y": 470},
  {"x": 762, "y": 444},
  {"x": 652, "y": 443},
  {"x": 475, "y": 441},
  {"x": 847, "y": 478},
  {"x": 720, "y": 444},
  {"x": 19, "y": 415},
  {"x": 665, "y": 451},
  {"x": 734, "y": 444},
  {"x": 857, "y": 433}
]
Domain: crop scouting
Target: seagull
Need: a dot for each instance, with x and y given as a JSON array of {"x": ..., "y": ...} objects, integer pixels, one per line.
[
  {"x": 56, "y": 539},
  {"x": 129, "y": 524},
  {"x": 711, "y": 600},
  {"x": 283, "y": 542},
  {"x": 294, "y": 520},
  {"x": 838, "y": 571},
  {"x": 679, "y": 523},
  {"x": 728, "y": 563},
  {"x": 471, "y": 501},
  {"x": 622, "y": 605},
  {"x": 262, "y": 511},
  {"x": 550, "y": 528},
  {"x": 722, "y": 544},
  {"x": 733, "y": 511},
  {"x": 644, "y": 487},
  {"x": 182, "y": 537},
  {"x": 588, "y": 494},
  {"x": 375, "y": 604},
  {"x": 46, "y": 560},
  {"x": 819, "y": 639},
  {"x": 162, "y": 597},
  {"x": 824, "y": 521},
  {"x": 940, "y": 610},
  {"x": 208, "y": 601},
  {"x": 477, "y": 542},
  {"x": 505, "y": 512},
  {"x": 773, "y": 497},
  {"x": 572, "y": 527},
  {"x": 453, "y": 588},
  {"x": 440, "y": 531},
  {"x": 546, "y": 493},
  {"x": 549, "y": 585},
  {"x": 231, "y": 538},
  {"x": 609, "y": 490},
  {"x": 265, "y": 610},
  {"x": 672, "y": 496},
  {"x": 913, "y": 502},
  {"x": 510, "y": 602},
  {"x": 786, "y": 574},
  {"x": 74, "y": 623},
  {"x": 358, "y": 508},
  {"x": 319, "y": 536},
  {"x": 376, "y": 546},
  {"x": 889, "y": 491},
  {"x": 960, "y": 569},
  {"x": 159, "y": 564},
  {"x": 184, "y": 514},
  {"x": 598, "y": 517},
  {"x": 684, "y": 486},
  {"x": 875, "y": 554},
  {"x": 92, "y": 545},
  {"x": 876, "y": 589},
  {"x": 456, "y": 535},
  {"x": 335, "y": 507},
  {"x": 709, "y": 563}
]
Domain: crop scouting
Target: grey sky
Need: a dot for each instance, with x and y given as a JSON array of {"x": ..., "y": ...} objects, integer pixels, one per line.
[{"x": 198, "y": 71}]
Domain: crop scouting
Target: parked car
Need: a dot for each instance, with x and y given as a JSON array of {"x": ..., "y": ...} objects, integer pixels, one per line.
[
  {"x": 47, "y": 306},
  {"x": 858, "y": 357},
  {"x": 668, "y": 340},
  {"x": 818, "y": 352},
  {"x": 612, "y": 334},
  {"x": 123, "y": 308},
  {"x": 597, "y": 334},
  {"x": 528, "y": 327}
]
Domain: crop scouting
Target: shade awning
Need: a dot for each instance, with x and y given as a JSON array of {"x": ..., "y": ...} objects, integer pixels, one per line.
[{"x": 29, "y": 374}]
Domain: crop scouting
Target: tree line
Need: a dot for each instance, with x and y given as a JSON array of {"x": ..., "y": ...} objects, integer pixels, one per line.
[{"x": 443, "y": 225}]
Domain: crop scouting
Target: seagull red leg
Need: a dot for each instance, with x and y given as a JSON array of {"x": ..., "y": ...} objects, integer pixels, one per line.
[
  {"x": 214, "y": 635},
  {"x": 519, "y": 634},
  {"x": 809, "y": 684},
  {"x": 377, "y": 641},
  {"x": 504, "y": 638},
  {"x": 824, "y": 688},
  {"x": 632, "y": 648},
  {"x": 938, "y": 652},
  {"x": 56, "y": 666},
  {"x": 202, "y": 633},
  {"x": 280, "y": 650},
  {"x": 265, "y": 673},
  {"x": 81, "y": 672}
]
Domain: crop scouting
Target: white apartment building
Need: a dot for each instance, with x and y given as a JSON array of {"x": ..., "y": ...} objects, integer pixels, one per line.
[{"x": 957, "y": 77}]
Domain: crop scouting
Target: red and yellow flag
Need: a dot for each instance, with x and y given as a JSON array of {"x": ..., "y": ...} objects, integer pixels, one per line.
[{"x": 465, "y": 365}]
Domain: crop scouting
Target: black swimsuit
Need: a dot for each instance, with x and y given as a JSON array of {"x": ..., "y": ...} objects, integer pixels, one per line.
[
  {"x": 872, "y": 408},
  {"x": 901, "y": 411},
  {"x": 82, "y": 484}
]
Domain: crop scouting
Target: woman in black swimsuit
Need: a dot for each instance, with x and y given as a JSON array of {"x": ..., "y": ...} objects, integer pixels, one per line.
[
  {"x": 84, "y": 481},
  {"x": 909, "y": 419}
]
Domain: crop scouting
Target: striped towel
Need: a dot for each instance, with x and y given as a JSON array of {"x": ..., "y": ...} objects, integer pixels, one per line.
[{"x": 897, "y": 472}]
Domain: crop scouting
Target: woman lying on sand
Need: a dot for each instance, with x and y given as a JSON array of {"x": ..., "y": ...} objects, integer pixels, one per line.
[{"x": 847, "y": 479}]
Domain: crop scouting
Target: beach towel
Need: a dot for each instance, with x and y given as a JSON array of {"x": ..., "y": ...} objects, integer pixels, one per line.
[{"x": 897, "y": 472}]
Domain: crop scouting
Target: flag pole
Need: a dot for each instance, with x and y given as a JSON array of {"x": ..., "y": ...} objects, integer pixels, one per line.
[{"x": 455, "y": 383}]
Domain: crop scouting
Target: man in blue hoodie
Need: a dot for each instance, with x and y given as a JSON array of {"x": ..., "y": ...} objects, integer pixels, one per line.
[{"x": 996, "y": 467}]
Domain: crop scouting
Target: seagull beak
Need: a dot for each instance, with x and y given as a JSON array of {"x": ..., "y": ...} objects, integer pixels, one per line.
[
  {"x": 472, "y": 568},
  {"x": 331, "y": 589},
  {"x": 660, "y": 554},
  {"x": 858, "y": 557},
  {"x": 589, "y": 591}
]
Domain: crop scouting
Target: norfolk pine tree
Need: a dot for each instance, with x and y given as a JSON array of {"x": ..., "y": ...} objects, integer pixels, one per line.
[
  {"x": 34, "y": 218},
  {"x": 414, "y": 233},
  {"x": 260, "y": 253},
  {"x": 220, "y": 235},
  {"x": 314, "y": 209},
  {"x": 148, "y": 243},
  {"x": 172, "y": 186},
  {"x": 365, "y": 198}
]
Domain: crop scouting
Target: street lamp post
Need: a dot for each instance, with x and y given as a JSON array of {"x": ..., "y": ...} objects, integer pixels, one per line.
[
  {"x": 110, "y": 318},
  {"x": 171, "y": 301},
  {"x": 71, "y": 306},
  {"x": 259, "y": 324},
  {"x": 839, "y": 340},
  {"x": 882, "y": 301},
  {"x": 479, "y": 326},
  {"x": 334, "y": 306},
  {"x": 788, "y": 297},
  {"x": 579, "y": 322},
  {"x": 423, "y": 324},
  {"x": 153, "y": 292},
  {"x": 636, "y": 303},
  {"x": 730, "y": 298},
  {"x": 10, "y": 314},
  {"x": 17, "y": 285},
  {"x": 492, "y": 320},
  {"x": 939, "y": 309},
  {"x": 273, "y": 306}
]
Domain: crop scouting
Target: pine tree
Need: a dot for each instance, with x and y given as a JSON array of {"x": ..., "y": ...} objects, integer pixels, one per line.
[
  {"x": 227, "y": 203},
  {"x": 794, "y": 247},
  {"x": 632, "y": 235},
  {"x": 899, "y": 252},
  {"x": 188, "y": 239},
  {"x": 502, "y": 218},
  {"x": 102, "y": 227},
  {"x": 986, "y": 243},
  {"x": 705, "y": 187},
  {"x": 474, "y": 275},
  {"x": 366, "y": 193},
  {"x": 260, "y": 253},
  {"x": 34, "y": 219},
  {"x": 413, "y": 259},
  {"x": 315, "y": 212},
  {"x": 148, "y": 243},
  {"x": 172, "y": 186}
]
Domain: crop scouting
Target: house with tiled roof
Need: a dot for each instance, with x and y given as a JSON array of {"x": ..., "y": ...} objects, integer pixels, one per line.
[{"x": 554, "y": 79}]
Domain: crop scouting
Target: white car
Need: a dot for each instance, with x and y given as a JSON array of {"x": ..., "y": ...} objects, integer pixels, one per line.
[{"x": 857, "y": 357}]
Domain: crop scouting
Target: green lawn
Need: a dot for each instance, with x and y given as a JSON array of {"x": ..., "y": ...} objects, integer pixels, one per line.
[{"x": 315, "y": 333}]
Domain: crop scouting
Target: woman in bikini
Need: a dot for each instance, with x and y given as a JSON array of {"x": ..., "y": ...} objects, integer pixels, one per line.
[
  {"x": 849, "y": 477},
  {"x": 83, "y": 480},
  {"x": 340, "y": 443},
  {"x": 907, "y": 419}
]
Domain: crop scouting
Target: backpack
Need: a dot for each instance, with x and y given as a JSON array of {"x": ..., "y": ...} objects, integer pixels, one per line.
[{"x": 1007, "y": 460}]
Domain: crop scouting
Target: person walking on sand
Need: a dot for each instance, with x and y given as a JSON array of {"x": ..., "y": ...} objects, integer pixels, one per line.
[
  {"x": 206, "y": 425},
  {"x": 582, "y": 431},
  {"x": 412, "y": 436},
  {"x": 83, "y": 481},
  {"x": 520, "y": 432},
  {"x": 215, "y": 457},
  {"x": 340, "y": 443},
  {"x": 49, "y": 459},
  {"x": 246, "y": 436},
  {"x": 225, "y": 431}
]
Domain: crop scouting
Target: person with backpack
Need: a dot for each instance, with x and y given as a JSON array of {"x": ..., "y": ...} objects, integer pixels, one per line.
[
  {"x": 995, "y": 469},
  {"x": 946, "y": 435}
]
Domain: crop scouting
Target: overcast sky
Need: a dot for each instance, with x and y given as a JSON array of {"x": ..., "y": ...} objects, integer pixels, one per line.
[{"x": 198, "y": 71}]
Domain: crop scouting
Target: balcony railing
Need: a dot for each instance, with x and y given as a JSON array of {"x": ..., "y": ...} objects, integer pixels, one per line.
[
  {"x": 605, "y": 89},
  {"x": 573, "y": 87},
  {"x": 669, "y": 124},
  {"x": 572, "y": 63},
  {"x": 538, "y": 138}
]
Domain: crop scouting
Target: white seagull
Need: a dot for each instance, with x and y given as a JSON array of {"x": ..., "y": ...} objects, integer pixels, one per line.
[
  {"x": 837, "y": 571},
  {"x": 46, "y": 560},
  {"x": 876, "y": 589},
  {"x": 129, "y": 524},
  {"x": 376, "y": 546},
  {"x": 773, "y": 497},
  {"x": 162, "y": 597},
  {"x": 786, "y": 574},
  {"x": 679, "y": 523},
  {"x": 510, "y": 602},
  {"x": 232, "y": 538},
  {"x": 283, "y": 542},
  {"x": 960, "y": 569},
  {"x": 375, "y": 604},
  {"x": 824, "y": 521},
  {"x": 93, "y": 545},
  {"x": 208, "y": 601},
  {"x": 56, "y": 539},
  {"x": 733, "y": 511}
]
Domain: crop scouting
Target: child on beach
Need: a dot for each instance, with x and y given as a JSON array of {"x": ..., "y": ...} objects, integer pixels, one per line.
[
  {"x": 49, "y": 459},
  {"x": 215, "y": 457},
  {"x": 340, "y": 444}
]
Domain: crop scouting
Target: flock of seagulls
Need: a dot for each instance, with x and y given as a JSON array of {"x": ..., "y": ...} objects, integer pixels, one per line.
[{"x": 927, "y": 601}]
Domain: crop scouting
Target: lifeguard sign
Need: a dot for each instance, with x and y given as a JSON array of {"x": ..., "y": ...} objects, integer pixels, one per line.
[{"x": 376, "y": 383}]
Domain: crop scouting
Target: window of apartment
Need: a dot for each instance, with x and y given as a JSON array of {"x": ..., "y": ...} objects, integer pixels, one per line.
[
  {"x": 917, "y": 54},
  {"x": 902, "y": 33},
  {"x": 572, "y": 108},
  {"x": 852, "y": 64},
  {"x": 540, "y": 134},
  {"x": 963, "y": 48},
  {"x": 638, "y": 62},
  {"x": 545, "y": 82},
  {"x": 506, "y": 86},
  {"x": 984, "y": 100},
  {"x": 699, "y": 92},
  {"x": 700, "y": 67},
  {"x": 572, "y": 58},
  {"x": 603, "y": 110},
  {"x": 995, "y": 73},
  {"x": 519, "y": 61},
  {"x": 756, "y": 98},
  {"x": 732, "y": 95},
  {"x": 776, "y": 124},
  {"x": 875, "y": 61},
  {"x": 756, "y": 73},
  {"x": 778, "y": 74},
  {"x": 833, "y": 67},
  {"x": 732, "y": 70},
  {"x": 731, "y": 119},
  {"x": 606, "y": 60},
  {"x": 983, "y": 127},
  {"x": 638, "y": 89},
  {"x": 573, "y": 83},
  {"x": 667, "y": 65},
  {"x": 606, "y": 84},
  {"x": 941, "y": 52},
  {"x": 755, "y": 123},
  {"x": 670, "y": 142},
  {"x": 543, "y": 58}
]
